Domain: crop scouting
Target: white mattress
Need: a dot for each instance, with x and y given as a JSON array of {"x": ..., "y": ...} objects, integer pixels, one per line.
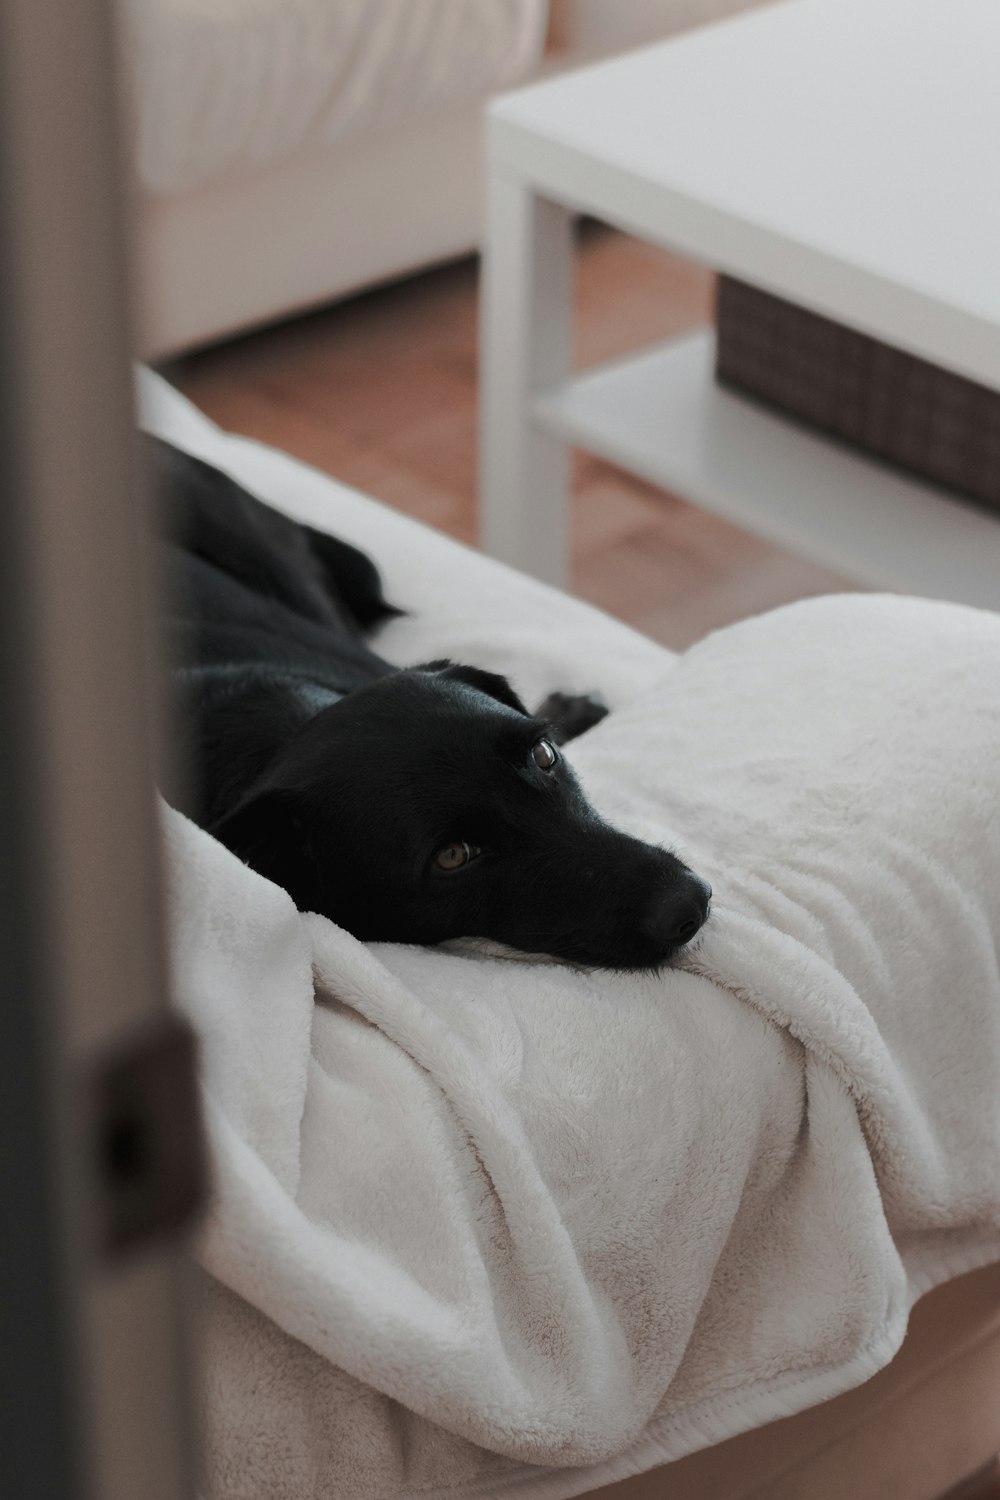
[{"x": 225, "y": 87}]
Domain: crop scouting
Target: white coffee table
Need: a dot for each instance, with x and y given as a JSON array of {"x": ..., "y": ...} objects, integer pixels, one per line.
[{"x": 844, "y": 154}]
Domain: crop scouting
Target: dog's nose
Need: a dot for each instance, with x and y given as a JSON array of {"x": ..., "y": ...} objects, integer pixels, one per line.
[{"x": 681, "y": 914}]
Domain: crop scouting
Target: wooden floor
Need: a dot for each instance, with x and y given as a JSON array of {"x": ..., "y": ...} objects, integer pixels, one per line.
[{"x": 381, "y": 392}]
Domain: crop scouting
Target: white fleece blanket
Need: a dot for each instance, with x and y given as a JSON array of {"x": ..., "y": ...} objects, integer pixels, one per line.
[{"x": 499, "y": 1228}]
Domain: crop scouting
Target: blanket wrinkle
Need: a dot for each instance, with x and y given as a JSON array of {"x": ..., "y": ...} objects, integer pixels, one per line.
[
  {"x": 554, "y": 1298},
  {"x": 828, "y": 1015},
  {"x": 242, "y": 954}
]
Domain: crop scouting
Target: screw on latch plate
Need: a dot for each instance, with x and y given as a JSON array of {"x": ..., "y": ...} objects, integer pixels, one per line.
[{"x": 148, "y": 1137}]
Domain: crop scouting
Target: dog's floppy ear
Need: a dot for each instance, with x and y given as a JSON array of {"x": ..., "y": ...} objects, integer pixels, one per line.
[
  {"x": 265, "y": 832},
  {"x": 490, "y": 683}
]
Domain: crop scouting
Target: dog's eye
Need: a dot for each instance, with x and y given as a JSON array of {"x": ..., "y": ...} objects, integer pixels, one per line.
[
  {"x": 544, "y": 755},
  {"x": 454, "y": 856}
]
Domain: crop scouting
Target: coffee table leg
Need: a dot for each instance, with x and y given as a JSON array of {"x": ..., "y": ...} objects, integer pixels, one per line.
[{"x": 524, "y": 348}]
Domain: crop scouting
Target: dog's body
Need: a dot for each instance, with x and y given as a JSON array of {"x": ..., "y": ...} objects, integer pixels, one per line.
[{"x": 414, "y": 805}]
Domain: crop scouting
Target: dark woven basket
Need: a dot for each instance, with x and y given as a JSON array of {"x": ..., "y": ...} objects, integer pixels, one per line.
[{"x": 892, "y": 405}]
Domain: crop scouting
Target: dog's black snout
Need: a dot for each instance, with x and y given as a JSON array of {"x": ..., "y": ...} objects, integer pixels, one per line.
[
  {"x": 680, "y": 915},
  {"x": 689, "y": 916},
  {"x": 688, "y": 928}
]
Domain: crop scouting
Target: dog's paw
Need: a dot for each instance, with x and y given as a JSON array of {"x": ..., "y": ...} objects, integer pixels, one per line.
[{"x": 572, "y": 713}]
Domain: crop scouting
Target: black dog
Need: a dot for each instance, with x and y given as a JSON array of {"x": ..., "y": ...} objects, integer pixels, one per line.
[{"x": 411, "y": 806}]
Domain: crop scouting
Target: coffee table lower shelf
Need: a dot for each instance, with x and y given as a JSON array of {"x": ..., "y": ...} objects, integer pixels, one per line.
[{"x": 661, "y": 415}]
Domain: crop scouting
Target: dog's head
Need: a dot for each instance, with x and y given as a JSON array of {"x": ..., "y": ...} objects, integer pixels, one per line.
[{"x": 431, "y": 805}]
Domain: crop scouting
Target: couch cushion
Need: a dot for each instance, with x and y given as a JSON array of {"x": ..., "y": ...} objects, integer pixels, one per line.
[{"x": 225, "y": 89}]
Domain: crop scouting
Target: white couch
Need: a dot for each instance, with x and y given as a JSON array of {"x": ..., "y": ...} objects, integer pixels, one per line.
[{"x": 291, "y": 151}]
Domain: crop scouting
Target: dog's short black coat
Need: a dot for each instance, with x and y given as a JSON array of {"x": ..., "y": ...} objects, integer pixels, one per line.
[{"x": 414, "y": 805}]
